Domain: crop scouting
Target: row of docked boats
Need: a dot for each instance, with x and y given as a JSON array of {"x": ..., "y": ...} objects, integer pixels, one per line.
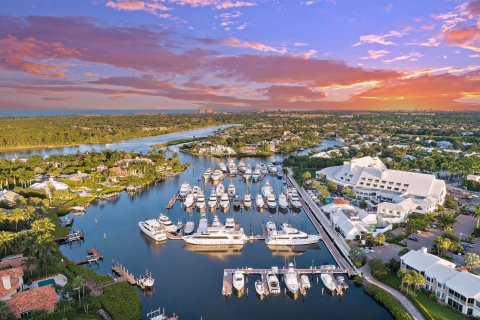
[{"x": 248, "y": 172}]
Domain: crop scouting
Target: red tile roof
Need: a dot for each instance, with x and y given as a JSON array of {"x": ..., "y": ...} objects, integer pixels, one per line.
[
  {"x": 14, "y": 274},
  {"x": 340, "y": 201},
  {"x": 42, "y": 298}
]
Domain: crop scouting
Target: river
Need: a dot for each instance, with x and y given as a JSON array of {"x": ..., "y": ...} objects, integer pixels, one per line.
[{"x": 189, "y": 283}]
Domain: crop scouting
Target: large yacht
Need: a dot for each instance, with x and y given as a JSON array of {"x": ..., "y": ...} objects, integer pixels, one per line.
[
  {"x": 271, "y": 168},
  {"x": 224, "y": 201},
  {"x": 291, "y": 280},
  {"x": 218, "y": 235},
  {"x": 220, "y": 189},
  {"x": 195, "y": 191},
  {"x": 287, "y": 236},
  {"x": 248, "y": 174},
  {"x": 232, "y": 168},
  {"x": 282, "y": 201},
  {"x": 207, "y": 174},
  {"x": 256, "y": 175},
  {"x": 273, "y": 283},
  {"x": 231, "y": 190},
  {"x": 154, "y": 229},
  {"x": 267, "y": 189},
  {"x": 295, "y": 200},
  {"x": 167, "y": 224},
  {"x": 189, "y": 200},
  {"x": 222, "y": 167},
  {"x": 212, "y": 201},
  {"x": 217, "y": 175},
  {"x": 241, "y": 166},
  {"x": 200, "y": 200},
  {"x": 271, "y": 202},
  {"x": 259, "y": 201},
  {"x": 238, "y": 281},
  {"x": 247, "y": 200},
  {"x": 328, "y": 281},
  {"x": 184, "y": 190}
]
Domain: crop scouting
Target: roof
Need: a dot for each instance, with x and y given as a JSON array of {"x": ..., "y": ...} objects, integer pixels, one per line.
[
  {"x": 441, "y": 273},
  {"x": 422, "y": 260},
  {"x": 9, "y": 195},
  {"x": 42, "y": 298},
  {"x": 466, "y": 284},
  {"x": 340, "y": 201},
  {"x": 14, "y": 274},
  {"x": 55, "y": 184}
]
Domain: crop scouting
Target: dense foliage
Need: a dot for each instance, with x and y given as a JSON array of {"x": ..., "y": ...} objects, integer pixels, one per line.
[
  {"x": 386, "y": 299},
  {"x": 121, "y": 301}
]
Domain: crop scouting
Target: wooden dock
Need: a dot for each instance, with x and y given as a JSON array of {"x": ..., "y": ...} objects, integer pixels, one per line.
[
  {"x": 123, "y": 273},
  {"x": 172, "y": 201},
  {"x": 76, "y": 235},
  {"x": 93, "y": 256}
]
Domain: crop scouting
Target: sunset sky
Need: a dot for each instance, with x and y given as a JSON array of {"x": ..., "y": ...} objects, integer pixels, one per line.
[{"x": 245, "y": 54}]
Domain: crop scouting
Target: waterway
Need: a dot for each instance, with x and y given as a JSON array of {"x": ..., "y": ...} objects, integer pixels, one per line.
[{"x": 189, "y": 282}]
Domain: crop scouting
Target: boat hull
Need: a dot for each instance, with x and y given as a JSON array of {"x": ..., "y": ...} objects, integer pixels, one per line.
[
  {"x": 157, "y": 237},
  {"x": 311, "y": 239}
]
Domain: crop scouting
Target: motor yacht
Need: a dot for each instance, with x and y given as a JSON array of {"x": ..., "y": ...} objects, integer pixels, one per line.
[
  {"x": 267, "y": 189},
  {"x": 282, "y": 201},
  {"x": 241, "y": 166},
  {"x": 273, "y": 283},
  {"x": 216, "y": 175},
  {"x": 263, "y": 168},
  {"x": 271, "y": 202},
  {"x": 222, "y": 167},
  {"x": 295, "y": 201},
  {"x": 328, "y": 281},
  {"x": 212, "y": 201},
  {"x": 146, "y": 282},
  {"x": 259, "y": 201},
  {"x": 167, "y": 224},
  {"x": 202, "y": 225},
  {"x": 256, "y": 175},
  {"x": 236, "y": 201},
  {"x": 288, "y": 236},
  {"x": 184, "y": 190},
  {"x": 272, "y": 168},
  {"x": 247, "y": 200},
  {"x": 238, "y": 281},
  {"x": 232, "y": 167},
  {"x": 154, "y": 229},
  {"x": 207, "y": 174},
  {"x": 189, "y": 227},
  {"x": 195, "y": 191},
  {"x": 179, "y": 225},
  {"x": 218, "y": 235},
  {"x": 220, "y": 189},
  {"x": 200, "y": 200},
  {"x": 305, "y": 281},
  {"x": 189, "y": 200},
  {"x": 291, "y": 280},
  {"x": 259, "y": 288},
  {"x": 231, "y": 190},
  {"x": 224, "y": 201},
  {"x": 248, "y": 174}
]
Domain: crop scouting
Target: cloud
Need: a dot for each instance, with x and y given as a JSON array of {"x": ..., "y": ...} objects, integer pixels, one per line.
[
  {"x": 427, "y": 26},
  {"x": 216, "y": 4},
  {"x": 375, "y": 54},
  {"x": 294, "y": 94},
  {"x": 152, "y": 7},
  {"x": 467, "y": 38},
  {"x": 381, "y": 38},
  {"x": 237, "y": 43},
  {"x": 412, "y": 56}
]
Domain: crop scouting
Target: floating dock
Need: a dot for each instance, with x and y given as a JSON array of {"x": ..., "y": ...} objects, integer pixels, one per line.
[
  {"x": 76, "y": 235},
  {"x": 124, "y": 274},
  {"x": 172, "y": 201},
  {"x": 94, "y": 255}
]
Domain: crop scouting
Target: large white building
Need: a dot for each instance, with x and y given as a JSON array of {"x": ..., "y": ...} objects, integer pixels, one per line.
[
  {"x": 395, "y": 193},
  {"x": 459, "y": 289}
]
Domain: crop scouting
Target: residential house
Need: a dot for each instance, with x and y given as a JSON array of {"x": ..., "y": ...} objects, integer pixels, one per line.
[
  {"x": 35, "y": 299},
  {"x": 9, "y": 196},
  {"x": 11, "y": 282},
  {"x": 57, "y": 185}
]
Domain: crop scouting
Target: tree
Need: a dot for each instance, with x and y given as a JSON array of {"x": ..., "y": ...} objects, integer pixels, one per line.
[
  {"x": 401, "y": 274},
  {"x": 476, "y": 214},
  {"x": 363, "y": 204},
  {"x": 408, "y": 279},
  {"x": 323, "y": 191},
  {"x": 418, "y": 280},
  {"x": 379, "y": 270},
  {"x": 332, "y": 186},
  {"x": 358, "y": 257},
  {"x": 16, "y": 216},
  {"x": 450, "y": 201},
  {"x": 446, "y": 220},
  {"x": 306, "y": 176},
  {"x": 380, "y": 239},
  {"x": 443, "y": 244},
  {"x": 78, "y": 283},
  {"x": 6, "y": 240},
  {"x": 472, "y": 260},
  {"x": 5, "y": 312},
  {"x": 42, "y": 226}
]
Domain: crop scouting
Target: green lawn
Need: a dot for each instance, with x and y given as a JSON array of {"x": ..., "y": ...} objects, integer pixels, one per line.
[{"x": 436, "y": 310}]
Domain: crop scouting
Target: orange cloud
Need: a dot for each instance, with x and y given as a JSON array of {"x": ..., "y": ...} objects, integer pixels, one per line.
[
  {"x": 468, "y": 38},
  {"x": 237, "y": 43},
  {"x": 381, "y": 38}
]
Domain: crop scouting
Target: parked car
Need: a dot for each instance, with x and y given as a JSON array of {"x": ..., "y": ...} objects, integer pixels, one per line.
[
  {"x": 467, "y": 244},
  {"x": 413, "y": 238}
]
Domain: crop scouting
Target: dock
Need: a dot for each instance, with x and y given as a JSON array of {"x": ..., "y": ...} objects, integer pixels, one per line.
[
  {"x": 76, "y": 235},
  {"x": 124, "y": 274},
  {"x": 93, "y": 256},
  {"x": 172, "y": 201}
]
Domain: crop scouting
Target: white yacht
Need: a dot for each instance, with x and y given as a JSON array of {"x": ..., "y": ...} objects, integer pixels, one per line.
[
  {"x": 167, "y": 224},
  {"x": 184, "y": 190},
  {"x": 273, "y": 283},
  {"x": 189, "y": 200},
  {"x": 247, "y": 200},
  {"x": 256, "y": 175},
  {"x": 305, "y": 281},
  {"x": 288, "y": 236},
  {"x": 238, "y": 281},
  {"x": 200, "y": 200},
  {"x": 282, "y": 201},
  {"x": 189, "y": 227},
  {"x": 207, "y": 174},
  {"x": 295, "y": 201},
  {"x": 218, "y": 235},
  {"x": 154, "y": 229},
  {"x": 271, "y": 202},
  {"x": 328, "y": 281},
  {"x": 231, "y": 190},
  {"x": 259, "y": 201},
  {"x": 259, "y": 288},
  {"x": 222, "y": 167},
  {"x": 216, "y": 175},
  {"x": 263, "y": 168},
  {"x": 146, "y": 282},
  {"x": 267, "y": 189},
  {"x": 248, "y": 174},
  {"x": 220, "y": 189},
  {"x": 212, "y": 201},
  {"x": 291, "y": 280},
  {"x": 195, "y": 191},
  {"x": 224, "y": 201},
  {"x": 241, "y": 166},
  {"x": 202, "y": 225},
  {"x": 272, "y": 168},
  {"x": 232, "y": 167}
]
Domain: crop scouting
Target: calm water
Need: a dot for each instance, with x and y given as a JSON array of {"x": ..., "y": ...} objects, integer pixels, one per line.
[
  {"x": 49, "y": 113},
  {"x": 189, "y": 282}
]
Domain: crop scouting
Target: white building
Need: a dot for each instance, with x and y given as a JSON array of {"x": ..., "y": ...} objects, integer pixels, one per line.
[
  {"x": 373, "y": 182},
  {"x": 459, "y": 289},
  {"x": 473, "y": 177},
  {"x": 9, "y": 196},
  {"x": 216, "y": 149},
  {"x": 57, "y": 185}
]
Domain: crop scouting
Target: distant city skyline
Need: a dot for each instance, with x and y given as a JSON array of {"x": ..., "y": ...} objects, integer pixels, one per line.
[{"x": 240, "y": 54}]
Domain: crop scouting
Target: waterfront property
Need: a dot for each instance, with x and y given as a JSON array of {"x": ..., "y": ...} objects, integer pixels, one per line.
[
  {"x": 394, "y": 193},
  {"x": 456, "y": 287}
]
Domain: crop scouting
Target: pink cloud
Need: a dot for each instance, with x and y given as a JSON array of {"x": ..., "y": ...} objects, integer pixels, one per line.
[
  {"x": 413, "y": 56},
  {"x": 381, "y": 38},
  {"x": 237, "y": 43},
  {"x": 217, "y": 4},
  {"x": 375, "y": 54}
]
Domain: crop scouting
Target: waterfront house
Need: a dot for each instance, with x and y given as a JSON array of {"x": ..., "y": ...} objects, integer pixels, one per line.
[
  {"x": 35, "y": 299},
  {"x": 57, "y": 185},
  {"x": 9, "y": 196},
  {"x": 11, "y": 282},
  {"x": 458, "y": 288}
]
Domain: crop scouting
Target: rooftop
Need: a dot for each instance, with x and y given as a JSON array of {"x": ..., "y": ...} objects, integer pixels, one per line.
[
  {"x": 42, "y": 298},
  {"x": 9, "y": 281}
]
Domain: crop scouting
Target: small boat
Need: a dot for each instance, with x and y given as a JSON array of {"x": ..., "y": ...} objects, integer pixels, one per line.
[
  {"x": 207, "y": 174},
  {"x": 341, "y": 282},
  {"x": 256, "y": 175},
  {"x": 200, "y": 200},
  {"x": 291, "y": 280},
  {"x": 167, "y": 224},
  {"x": 241, "y": 166},
  {"x": 259, "y": 201},
  {"x": 157, "y": 315},
  {"x": 189, "y": 200},
  {"x": 263, "y": 168},
  {"x": 247, "y": 200},
  {"x": 238, "y": 281},
  {"x": 259, "y": 288},
  {"x": 271, "y": 168},
  {"x": 146, "y": 282},
  {"x": 248, "y": 174},
  {"x": 273, "y": 283},
  {"x": 305, "y": 281},
  {"x": 328, "y": 281},
  {"x": 224, "y": 201},
  {"x": 271, "y": 202},
  {"x": 179, "y": 225},
  {"x": 184, "y": 190},
  {"x": 236, "y": 201},
  {"x": 282, "y": 201},
  {"x": 231, "y": 190},
  {"x": 222, "y": 167},
  {"x": 189, "y": 227}
]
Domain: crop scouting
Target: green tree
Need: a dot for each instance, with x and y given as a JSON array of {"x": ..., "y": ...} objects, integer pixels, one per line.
[
  {"x": 42, "y": 226},
  {"x": 443, "y": 244},
  {"x": 380, "y": 239},
  {"x": 401, "y": 274},
  {"x": 16, "y": 216},
  {"x": 332, "y": 186},
  {"x": 5, "y": 313},
  {"x": 6, "y": 240},
  {"x": 446, "y": 220},
  {"x": 78, "y": 284},
  {"x": 306, "y": 176},
  {"x": 472, "y": 260},
  {"x": 418, "y": 280},
  {"x": 358, "y": 257},
  {"x": 476, "y": 214}
]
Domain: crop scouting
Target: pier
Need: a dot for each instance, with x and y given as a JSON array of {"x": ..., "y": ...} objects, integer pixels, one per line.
[
  {"x": 124, "y": 274},
  {"x": 76, "y": 235},
  {"x": 172, "y": 201},
  {"x": 94, "y": 255}
]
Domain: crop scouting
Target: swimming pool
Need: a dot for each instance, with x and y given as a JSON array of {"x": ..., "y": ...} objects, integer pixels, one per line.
[{"x": 46, "y": 282}]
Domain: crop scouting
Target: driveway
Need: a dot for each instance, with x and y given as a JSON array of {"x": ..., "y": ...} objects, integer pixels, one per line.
[
  {"x": 425, "y": 239},
  {"x": 385, "y": 252},
  {"x": 464, "y": 225}
]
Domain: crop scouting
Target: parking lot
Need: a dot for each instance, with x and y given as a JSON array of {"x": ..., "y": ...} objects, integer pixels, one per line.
[
  {"x": 385, "y": 252},
  {"x": 464, "y": 226},
  {"x": 425, "y": 239}
]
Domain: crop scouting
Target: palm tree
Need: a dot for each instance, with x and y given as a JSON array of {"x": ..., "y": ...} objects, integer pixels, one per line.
[
  {"x": 408, "y": 280},
  {"x": 418, "y": 279},
  {"x": 42, "y": 226},
  {"x": 476, "y": 214},
  {"x": 78, "y": 283},
  {"x": 29, "y": 212},
  {"x": 401, "y": 273},
  {"x": 6, "y": 239},
  {"x": 3, "y": 216},
  {"x": 16, "y": 216}
]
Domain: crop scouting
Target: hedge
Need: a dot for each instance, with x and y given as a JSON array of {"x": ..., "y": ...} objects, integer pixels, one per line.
[
  {"x": 388, "y": 301},
  {"x": 121, "y": 301}
]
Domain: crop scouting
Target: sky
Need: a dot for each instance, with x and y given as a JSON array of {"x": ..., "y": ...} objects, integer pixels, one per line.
[{"x": 240, "y": 54}]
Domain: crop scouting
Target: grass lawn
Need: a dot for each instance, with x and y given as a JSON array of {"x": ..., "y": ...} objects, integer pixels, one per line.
[{"x": 435, "y": 309}]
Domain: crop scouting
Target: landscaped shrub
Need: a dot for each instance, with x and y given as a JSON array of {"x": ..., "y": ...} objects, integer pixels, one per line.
[
  {"x": 121, "y": 301},
  {"x": 386, "y": 299}
]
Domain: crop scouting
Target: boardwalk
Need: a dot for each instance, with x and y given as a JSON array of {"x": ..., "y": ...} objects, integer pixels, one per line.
[
  {"x": 123, "y": 273},
  {"x": 336, "y": 249}
]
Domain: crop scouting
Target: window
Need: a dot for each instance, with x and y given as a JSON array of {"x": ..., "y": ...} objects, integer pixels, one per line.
[
  {"x": 470, "y": 300},
  {"x": 477, "y": 303}
]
